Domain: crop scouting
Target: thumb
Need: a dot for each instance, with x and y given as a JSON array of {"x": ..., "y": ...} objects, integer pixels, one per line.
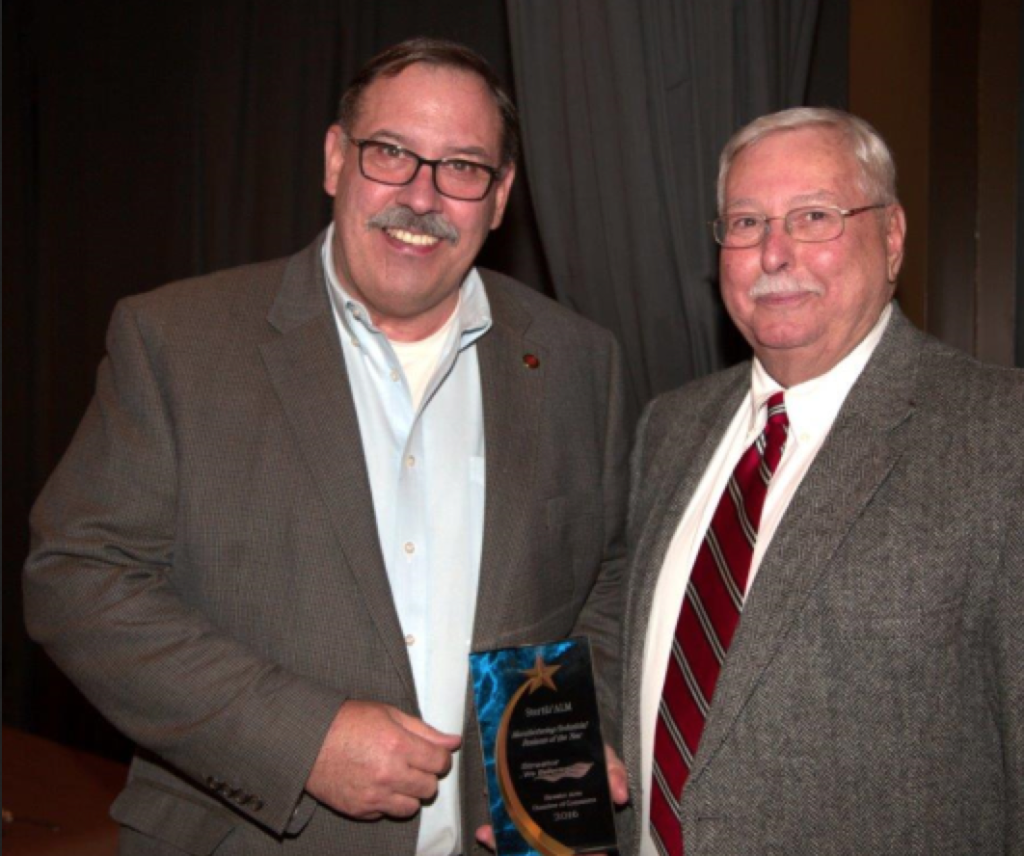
[{"x": 451, "y": 742}]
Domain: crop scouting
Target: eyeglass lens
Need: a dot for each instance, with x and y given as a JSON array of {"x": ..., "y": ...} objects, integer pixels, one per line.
[
  {"x": 811, "y": 224},
  {"x": 390, "y": 164}
]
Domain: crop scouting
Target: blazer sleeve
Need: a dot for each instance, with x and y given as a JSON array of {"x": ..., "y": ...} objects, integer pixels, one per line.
[
  {"x": 601, "y": 616},
  {"x": 102, "y": 596}
]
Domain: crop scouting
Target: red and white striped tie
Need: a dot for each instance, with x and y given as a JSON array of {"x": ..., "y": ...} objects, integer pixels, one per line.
[{"x": 707, "y": 622}]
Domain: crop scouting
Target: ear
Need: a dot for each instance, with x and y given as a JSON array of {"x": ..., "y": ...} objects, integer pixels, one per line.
[
  {"x": 501, "y": 192},
  {"x": 334, "y": 158},
  {"x": 895, "y": 235}
]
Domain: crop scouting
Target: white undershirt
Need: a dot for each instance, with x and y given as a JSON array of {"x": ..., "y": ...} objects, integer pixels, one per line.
[
  {"x": 419, "y": 359},
  {"x": 812, "y": 408}
]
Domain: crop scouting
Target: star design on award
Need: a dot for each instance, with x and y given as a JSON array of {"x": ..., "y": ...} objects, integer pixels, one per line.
[{"x": 540, "y": 675}]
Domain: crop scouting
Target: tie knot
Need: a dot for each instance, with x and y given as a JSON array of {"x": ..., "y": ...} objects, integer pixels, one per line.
[
  {"x": 777, "y": 409},
  {"x": 776, "y": 431}
]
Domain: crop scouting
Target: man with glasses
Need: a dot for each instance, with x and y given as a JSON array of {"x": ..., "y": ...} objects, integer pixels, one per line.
[
  {"x": 306, "y": 489},
  {"x": 823, "y": 636}
]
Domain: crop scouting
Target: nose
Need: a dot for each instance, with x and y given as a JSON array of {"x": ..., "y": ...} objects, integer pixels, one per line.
[
  {"x": 777, "y": 247},
  {"x": 420, "y": 194}
]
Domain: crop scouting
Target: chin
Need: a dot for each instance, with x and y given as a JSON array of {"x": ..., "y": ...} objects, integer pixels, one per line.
[{"x": 782, "y": 338}]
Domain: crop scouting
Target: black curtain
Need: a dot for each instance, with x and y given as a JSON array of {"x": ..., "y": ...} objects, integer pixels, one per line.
[
  {"x": 148, "y": 142},
  {"x": 626, "y": 107},
  {"x": 1019, "y": 331}
]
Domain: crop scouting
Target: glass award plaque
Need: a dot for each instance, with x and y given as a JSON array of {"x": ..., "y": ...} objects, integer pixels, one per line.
[{"x": 543, "y": 752}]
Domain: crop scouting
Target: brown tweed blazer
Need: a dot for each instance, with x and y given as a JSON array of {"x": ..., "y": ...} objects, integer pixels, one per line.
[{"x": 206, "y": 565}]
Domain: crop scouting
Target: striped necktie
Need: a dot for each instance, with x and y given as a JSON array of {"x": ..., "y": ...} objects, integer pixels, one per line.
[{"x": 707, "y": 622}]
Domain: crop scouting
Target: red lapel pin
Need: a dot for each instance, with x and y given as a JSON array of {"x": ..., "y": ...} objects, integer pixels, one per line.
[{"x": 531, "y": 361}]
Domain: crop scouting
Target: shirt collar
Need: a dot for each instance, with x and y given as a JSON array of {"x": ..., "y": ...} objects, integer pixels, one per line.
[
  {"x": 473, "y": 312},
  {"x": 812, "y": 406}
]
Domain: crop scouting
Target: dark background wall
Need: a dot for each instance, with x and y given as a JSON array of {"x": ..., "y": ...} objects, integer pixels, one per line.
[
  {"x": 148, "y": 142},
  {"x": 941, "y": 79}
]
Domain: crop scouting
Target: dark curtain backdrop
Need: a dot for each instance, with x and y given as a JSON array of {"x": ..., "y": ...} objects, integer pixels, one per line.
[
  {"x": 152, "y": 141},
  {"x": 148, "y": 142},
  {"x": 626, "y": 107},
  {"x": 1020, "y": 203}
]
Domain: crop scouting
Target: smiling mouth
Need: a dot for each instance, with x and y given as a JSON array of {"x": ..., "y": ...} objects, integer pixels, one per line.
[{"x": 416, "y": 240}]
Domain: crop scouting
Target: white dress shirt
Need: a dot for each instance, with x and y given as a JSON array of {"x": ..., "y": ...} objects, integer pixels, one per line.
[{"x": 812, "y": 408}]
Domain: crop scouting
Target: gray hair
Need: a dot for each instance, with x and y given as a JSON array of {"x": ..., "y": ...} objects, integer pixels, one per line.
[{"x": 878, "y": 169}]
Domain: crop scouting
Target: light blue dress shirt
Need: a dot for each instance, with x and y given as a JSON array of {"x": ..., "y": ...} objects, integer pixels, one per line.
[{"x": 426, "y": 469}]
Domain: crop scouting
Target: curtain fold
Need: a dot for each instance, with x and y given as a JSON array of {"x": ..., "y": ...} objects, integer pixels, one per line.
[{"x": 625, "y": 108}]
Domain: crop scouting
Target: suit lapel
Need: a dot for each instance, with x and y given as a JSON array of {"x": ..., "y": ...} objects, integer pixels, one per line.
[
  {"x": 512, "y": 397},
  {"x": 307, "y": 370},
  {"x": 688, "y": 450},
  {"x": 864, "y": 445},
  {"x": 661, "y": 500}
]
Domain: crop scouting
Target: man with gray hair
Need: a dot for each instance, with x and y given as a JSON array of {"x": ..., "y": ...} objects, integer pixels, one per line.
[{"x": 823, "y": 643}]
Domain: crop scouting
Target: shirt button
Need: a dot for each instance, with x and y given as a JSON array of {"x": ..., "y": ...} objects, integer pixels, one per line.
[
  {"x": 410, "y": 640},
  {"x": 357, "y": 313},
  {"x": 410, "y": 461},
  {"x": 395, "y": 376},
  {"x": 355, "y": 342},
  {"x": 805, "y": 438},
  {"x": 410, "y": 548}
]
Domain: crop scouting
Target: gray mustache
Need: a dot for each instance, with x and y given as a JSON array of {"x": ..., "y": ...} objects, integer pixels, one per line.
[
  {"x": 399, "y": 217},
  {"x": 781, "y": 284}
]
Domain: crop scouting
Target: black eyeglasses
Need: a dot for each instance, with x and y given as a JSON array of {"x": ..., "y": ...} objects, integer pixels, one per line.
[
  {"x": 457, "y": 178},
  {"x": 813, "y": 224}
]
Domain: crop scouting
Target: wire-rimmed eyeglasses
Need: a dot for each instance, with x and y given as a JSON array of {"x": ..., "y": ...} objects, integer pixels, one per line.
[
  {"x": 395, "y": 165},
  {"x": 812, "y": 224}
]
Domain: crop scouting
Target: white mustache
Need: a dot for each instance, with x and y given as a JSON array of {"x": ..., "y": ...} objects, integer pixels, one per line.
[{"x": 782, "y": 284}]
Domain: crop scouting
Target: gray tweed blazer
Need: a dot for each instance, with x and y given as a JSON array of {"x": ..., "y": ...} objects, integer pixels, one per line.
[
  {"x": 206, "y": 564},
  {"x": 873, "y": 697}
]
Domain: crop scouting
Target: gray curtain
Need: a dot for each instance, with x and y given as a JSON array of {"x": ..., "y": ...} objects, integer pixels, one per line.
[{"x": 625, "y": 107}]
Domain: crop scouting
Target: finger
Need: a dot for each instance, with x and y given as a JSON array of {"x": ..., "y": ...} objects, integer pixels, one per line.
[
  {"x": 421, "y": 786},
  {"x": 427, "y": 758},
  {"x": 402, "y": 806},
  {"x": 485, "y": 835},
  {"x": 618, "y": 783},
  {"x": 428, "y": 749}
]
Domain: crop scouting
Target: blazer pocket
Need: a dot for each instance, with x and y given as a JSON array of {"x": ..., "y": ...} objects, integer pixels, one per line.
[
  {"x": 172, "y": 817},
  {"x": 938, "y": 621}
]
